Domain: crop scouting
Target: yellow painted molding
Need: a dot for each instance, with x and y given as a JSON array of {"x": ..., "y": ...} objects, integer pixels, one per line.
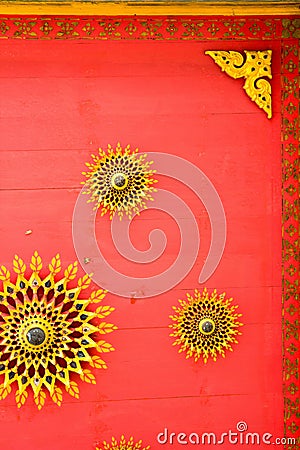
[{"x": 125, "y": 8}]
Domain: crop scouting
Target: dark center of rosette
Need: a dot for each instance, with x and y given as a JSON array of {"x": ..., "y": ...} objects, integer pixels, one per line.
[
  {"x": 35, "y": 336},
  {"x": 119, "y": 181},
  {"x": 207, "y": 326}
]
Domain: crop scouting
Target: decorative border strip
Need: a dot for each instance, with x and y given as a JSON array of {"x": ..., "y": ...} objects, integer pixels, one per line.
[
  {"x": 285, "y": 30},
  {"x": 290, "y": 81},
  {"x": 152, "y": 28},
  {"x": 140, "y": 28}
]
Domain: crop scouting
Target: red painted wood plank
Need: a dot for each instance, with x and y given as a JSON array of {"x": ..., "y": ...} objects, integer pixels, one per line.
[
  {"x": 98, "y": 59},
  {"x": 128, "y": 378},
  {"x": 79, "y": 431},
  {"x": 48, "y": 214},
  {"x": 127, "y": 381}
]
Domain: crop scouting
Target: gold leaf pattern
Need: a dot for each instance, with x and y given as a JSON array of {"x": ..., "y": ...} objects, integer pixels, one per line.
[
  {"x": 88, "y": 377},
  {"x": 73, "y": 389},
  {"x": 57, "y": 395},
  {"x": 123, "y": 444},
  {"x": 36, "y": 262},
  {"x": 71, "y": 272},
  {"x": 55, "y": 266},
  {"x": 21, "y": 398},
  {"x": 39, "y": 399},
  {"x": 4, "y": 391},
  {"x": 19, "y": 266},
  {"x": 97, "y": 296},
  {"x": 4, "y": 274},
  {"x": 84, "y": 282},
  {"x": 104, "y": 347},
  {"x": 105, "y": 328},
  {"x": 104, "y": 311},
  {"x": 98, "y": 363}
]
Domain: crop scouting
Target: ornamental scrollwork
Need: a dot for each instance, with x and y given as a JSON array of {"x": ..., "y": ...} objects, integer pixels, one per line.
[{"x": 254, "y": 69}]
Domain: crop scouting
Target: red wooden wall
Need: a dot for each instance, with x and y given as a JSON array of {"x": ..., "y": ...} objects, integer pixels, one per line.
[{"x": 60, "y": 101}]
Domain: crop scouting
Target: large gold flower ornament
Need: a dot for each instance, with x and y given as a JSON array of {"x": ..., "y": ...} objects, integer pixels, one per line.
[
  {"x": 48, "y": 332},
  {"x": 122, "y": 444},
  {"x": 205, "y": 325},
  {"x": 119, "y": 181}
]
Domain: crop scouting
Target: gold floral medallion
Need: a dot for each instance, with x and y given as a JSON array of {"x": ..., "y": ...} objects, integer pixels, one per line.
[
  {"x": 47, "y": 332},
  {"x": 205, "y": 325},
  {"x": 119, "y": 181}
]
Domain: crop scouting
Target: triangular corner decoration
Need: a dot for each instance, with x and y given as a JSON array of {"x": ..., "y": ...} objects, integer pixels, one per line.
[{"x": 256, "y": 66}]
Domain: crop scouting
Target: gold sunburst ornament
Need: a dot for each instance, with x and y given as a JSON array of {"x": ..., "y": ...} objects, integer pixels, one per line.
[
  {"x": 205, "y": 325},
  {"x": 123, "y": 445},
  {"x": 47, "y": 332},
  {"x": 119, "y": 181}
]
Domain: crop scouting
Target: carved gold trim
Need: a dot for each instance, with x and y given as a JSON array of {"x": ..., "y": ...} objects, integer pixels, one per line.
[
  {"x": 116, "y": 8},
  {"x": 256, "y": 66}
]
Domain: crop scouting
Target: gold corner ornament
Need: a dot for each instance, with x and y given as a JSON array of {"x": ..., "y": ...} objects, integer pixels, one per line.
[
  {"x": 47, "y": 332},
  {"x": 205, "y": 325},
  {"x": 256, "y": 66},
  {"x": 119, "y": 181},
  {"x": 123, "y": 444}
]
